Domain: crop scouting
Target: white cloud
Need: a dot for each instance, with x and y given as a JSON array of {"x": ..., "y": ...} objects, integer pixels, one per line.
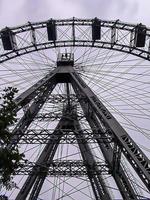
[
  {"x": 10, "y": 12},
  {"x": 20, "y": 11}
]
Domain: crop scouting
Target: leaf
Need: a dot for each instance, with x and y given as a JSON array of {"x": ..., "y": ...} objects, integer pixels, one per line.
[{"x": 10, "y": 159}]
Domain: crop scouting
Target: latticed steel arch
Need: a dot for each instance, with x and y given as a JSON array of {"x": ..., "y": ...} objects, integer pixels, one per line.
[
  {"x": 103, "y": 129},
  {"x": 119, "y": 33}
]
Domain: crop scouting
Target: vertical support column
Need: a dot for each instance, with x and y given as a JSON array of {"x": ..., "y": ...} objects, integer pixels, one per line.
[
  {"x": 132, "y": 38},
  {"x": 113, "y": 36},
  {"x": 36, "y": 179},
  {"x": 68, "y": 95},
  {"x": 73, "y": 32},
  {"x": 99, "y": 187},
  {"x": 116, "y": 157}
]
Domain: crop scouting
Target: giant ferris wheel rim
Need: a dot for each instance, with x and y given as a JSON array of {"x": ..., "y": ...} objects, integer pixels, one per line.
[
  {"x": 112, "y": 91},
  {"x": 143, "y": 53}
]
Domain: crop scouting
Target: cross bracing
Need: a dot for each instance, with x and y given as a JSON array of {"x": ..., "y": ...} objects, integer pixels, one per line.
[{"x": 112, "y": 139}]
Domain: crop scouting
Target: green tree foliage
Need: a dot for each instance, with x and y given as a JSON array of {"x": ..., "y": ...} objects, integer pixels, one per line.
[
  {"x": 3, "y": 197},
  {"x": 9, "y": 156}
]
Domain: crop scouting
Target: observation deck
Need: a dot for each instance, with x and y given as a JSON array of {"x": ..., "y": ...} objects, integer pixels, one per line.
[{"x": 65, "y": 59}]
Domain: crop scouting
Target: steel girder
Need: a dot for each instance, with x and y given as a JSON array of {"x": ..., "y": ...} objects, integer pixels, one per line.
[
  {"x": 103, "y": 119},
  {"x": 34, "y": 136},
  {"x": 31, "y": 112},
  {"x": 51, "y": 116},
  {"x": 35, "y": 90},
  {"x": 99, "y": 186},
  {"x": 133, "y": 153},
  {"x": 71, "y": 168},
  {"x": 45, "y": 159},
  {"x": 41, "y": 169},
  {"x": 125, "y": 186},
  {"x": 112, "y": 43}
]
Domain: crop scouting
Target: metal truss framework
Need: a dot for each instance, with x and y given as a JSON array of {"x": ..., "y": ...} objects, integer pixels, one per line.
[
  {"x": 115, "y": 35},
  {"x": 33, "y": 136},
  {"x": 37, "y": 176},
  {"x": 112, "y": 139},
  {"x": 63, "y": 168}
]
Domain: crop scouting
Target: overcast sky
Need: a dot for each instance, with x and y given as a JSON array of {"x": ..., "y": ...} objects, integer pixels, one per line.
[{"x": 16, "y": 12}]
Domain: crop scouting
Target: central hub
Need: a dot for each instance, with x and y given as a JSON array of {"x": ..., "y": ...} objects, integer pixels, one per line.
[
  {"x": 65, "y": 59},
  {"x": 65, "y": 63}
]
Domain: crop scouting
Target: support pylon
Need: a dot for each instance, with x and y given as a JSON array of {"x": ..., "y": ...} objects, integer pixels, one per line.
[{"x": 101, "y": 122}]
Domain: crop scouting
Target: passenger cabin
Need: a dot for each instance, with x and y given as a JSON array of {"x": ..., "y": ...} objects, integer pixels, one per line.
[
  {"x": 65, "y": 59},
  {"x": 140, "y": 35},
  {"x": 8, "y": 39},
  {"x": 51, "y": 30},
  {"x": 96, "y": 29}
]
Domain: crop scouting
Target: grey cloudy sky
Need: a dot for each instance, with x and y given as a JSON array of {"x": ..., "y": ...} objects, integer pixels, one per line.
[{"x": 15, "y": 12}]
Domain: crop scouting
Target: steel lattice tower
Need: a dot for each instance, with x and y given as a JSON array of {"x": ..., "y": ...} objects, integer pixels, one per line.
[{"x": 112, "y": 139}]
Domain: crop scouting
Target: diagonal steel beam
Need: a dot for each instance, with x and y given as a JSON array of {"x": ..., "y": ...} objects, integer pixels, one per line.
[
  {"x": 124, "y": 185},
  {"x": 37, "y": 175},
  {"x": 98, "y": 117},
  {"x": 99, "y": 186},
  {"x": 35, "y": 89},
  {"x": 133, "y": 153},
  {"x": 35, "y": 179},
  {"x": 30, "y": 114}
]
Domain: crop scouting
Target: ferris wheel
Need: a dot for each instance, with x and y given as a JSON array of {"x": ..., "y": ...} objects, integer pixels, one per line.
[{"x": 83, "y": 119}]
